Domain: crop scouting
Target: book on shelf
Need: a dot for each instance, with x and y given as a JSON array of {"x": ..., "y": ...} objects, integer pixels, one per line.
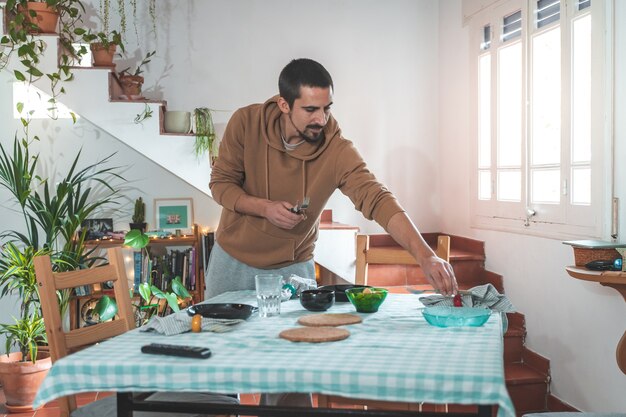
[{"x": 138, "y": 264}]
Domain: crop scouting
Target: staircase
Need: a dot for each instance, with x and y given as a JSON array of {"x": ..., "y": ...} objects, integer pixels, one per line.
[
  {"x": 527, "y": 373},
  {"x": 94, "y": 95}
]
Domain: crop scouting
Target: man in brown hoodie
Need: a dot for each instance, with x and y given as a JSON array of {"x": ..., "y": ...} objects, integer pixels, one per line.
[{"x": 275, "y": 154}]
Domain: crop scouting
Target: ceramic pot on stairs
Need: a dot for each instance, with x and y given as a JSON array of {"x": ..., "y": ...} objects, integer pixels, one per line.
[
  {"x": 131, "y": 86},
  {"x": 46, "y": 18},
  {"x": 102, "y": 56},
  {"x": 21, "y": 380}
]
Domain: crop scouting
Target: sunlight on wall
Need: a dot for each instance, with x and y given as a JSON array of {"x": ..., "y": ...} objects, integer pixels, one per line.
[{"x": 37, "y": 102}]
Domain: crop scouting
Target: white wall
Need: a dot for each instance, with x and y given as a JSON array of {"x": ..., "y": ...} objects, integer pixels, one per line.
[
  {"x": 224, "y": 55},
  {"x": 576, "y": 324}
]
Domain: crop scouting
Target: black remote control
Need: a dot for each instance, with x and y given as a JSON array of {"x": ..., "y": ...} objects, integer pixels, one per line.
[{"x": 177, "y": 350}]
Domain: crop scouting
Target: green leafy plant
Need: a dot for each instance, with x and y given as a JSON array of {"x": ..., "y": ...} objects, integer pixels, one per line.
[
  {"x": 53, "y": 211},
  {"x": 27, "y": 334},
  {"x": 106, "y": 39},
  {"x": 20, "y": 41},
  {"x": 205, "y": 133},
  {"x": 139, "y": 69},
  {"x": 148, "y": 305},
  {"x": 144, "y": 115}
]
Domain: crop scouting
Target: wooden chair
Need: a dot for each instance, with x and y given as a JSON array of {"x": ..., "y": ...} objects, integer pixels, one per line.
[
  {"x": 366, "y": 255},
  {"x": 382, "y": 255},
  {"x": 61, "y": 343}
]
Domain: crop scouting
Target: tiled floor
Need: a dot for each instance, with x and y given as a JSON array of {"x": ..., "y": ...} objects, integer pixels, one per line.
[{"x": 52, "y": 409}]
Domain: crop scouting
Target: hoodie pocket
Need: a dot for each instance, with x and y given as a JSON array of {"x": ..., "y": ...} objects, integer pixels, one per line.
[{"x": 246, "y": 242}]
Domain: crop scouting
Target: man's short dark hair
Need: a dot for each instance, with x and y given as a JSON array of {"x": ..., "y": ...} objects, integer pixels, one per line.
[{"x": 302, "y": 72}]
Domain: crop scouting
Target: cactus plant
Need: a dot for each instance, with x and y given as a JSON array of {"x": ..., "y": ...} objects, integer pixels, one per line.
[{"x": 140, "y": 211}]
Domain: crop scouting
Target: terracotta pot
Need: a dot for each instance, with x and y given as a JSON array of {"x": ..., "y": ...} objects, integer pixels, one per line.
[
  {"x": 131, "y": 85},
  {"x": 46, "y": 18},
  {"x": 101, "y": 56},
  {"x": 21, "y": 380}
]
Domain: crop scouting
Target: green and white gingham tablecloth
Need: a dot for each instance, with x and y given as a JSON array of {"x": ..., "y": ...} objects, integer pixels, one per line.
[{"x": 394, "y": 355}]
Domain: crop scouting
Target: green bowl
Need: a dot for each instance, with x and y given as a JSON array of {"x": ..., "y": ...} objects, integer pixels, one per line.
[{"x": 366, "y": 300}]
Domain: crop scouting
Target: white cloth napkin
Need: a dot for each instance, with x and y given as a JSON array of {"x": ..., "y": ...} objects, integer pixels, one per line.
[
  {"x": 481, "y": 296},
  {"x": 181, "y": 322}
]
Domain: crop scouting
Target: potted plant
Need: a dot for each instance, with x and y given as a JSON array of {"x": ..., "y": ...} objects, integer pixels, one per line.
[
  {"x": 205, "y": 134},
  {"x": 53, "y": 211},
  {"x": 39, "y": 16},
  {"x": 139, "y": 216},
  {"x": 103, "y": 46},
  {"x": 131, "y": 82},
  {"x": 23, "y": 371}
]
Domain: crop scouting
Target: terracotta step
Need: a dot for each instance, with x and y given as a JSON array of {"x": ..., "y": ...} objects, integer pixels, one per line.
[
  {"x": 514, "y": 342},
  {"x": 528, "y": 382}
]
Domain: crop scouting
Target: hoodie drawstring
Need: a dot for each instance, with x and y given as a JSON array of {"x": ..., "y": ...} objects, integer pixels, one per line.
[{"x": 267, "y": 171}]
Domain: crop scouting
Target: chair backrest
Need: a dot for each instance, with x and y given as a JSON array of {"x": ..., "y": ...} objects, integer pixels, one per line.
[
  {"x": 61, "y": 342},
  {"x": 389, "y": 255}
]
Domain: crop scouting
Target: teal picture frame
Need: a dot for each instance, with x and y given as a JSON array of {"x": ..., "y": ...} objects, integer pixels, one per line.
[{"x": 174, "y": 214}]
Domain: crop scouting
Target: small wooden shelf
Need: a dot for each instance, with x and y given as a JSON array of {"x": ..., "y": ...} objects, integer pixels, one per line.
[{"x": 613, "y": 279}]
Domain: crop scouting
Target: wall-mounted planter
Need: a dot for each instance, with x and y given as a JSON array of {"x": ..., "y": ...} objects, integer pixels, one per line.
[
  {"x": 131, "y": 86},
  {"x": 175, "y": 121},
  {"x": 46, "y": 18},
  {"x": 102, "y": 56}
]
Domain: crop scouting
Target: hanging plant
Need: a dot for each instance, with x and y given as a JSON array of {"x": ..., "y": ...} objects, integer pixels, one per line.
[
  {"x": 152, "y": 11},
  {"x": 121, "y": 8},
  {"x": 205, "y": 133}
]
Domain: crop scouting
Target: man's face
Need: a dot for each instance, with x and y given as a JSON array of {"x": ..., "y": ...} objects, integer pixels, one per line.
[{"x": 309, "y": 113}]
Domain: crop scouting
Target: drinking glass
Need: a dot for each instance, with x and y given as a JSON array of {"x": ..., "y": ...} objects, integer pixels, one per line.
[{"x": 268, "y": 288}]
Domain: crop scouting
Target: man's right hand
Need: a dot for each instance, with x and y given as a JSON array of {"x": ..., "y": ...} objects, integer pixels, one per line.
[
  {"x": 279, "y": 214},
  {"x": 275, "y": 212}
]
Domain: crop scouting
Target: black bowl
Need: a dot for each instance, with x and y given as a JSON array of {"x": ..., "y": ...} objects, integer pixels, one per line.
[
  {"x": 317, "y": 299},
  {"x": 340, "y": 294}
]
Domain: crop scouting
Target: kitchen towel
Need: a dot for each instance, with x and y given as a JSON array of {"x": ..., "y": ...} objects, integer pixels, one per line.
[{"x": 181, "y": 322}]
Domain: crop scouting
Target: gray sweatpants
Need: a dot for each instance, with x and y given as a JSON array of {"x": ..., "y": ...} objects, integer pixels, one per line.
[{"x": 226, "y": 273}]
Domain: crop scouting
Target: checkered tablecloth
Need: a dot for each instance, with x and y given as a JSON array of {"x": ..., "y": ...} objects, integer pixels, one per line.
[{"x": 394, "y": 355}]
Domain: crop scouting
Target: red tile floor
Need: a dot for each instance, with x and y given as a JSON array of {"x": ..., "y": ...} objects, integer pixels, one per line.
[{"x": 52, "y": 409}]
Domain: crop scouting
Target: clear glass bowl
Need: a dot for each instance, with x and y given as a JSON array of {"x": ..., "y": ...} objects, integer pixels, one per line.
[{"x": 445, "y": 316}]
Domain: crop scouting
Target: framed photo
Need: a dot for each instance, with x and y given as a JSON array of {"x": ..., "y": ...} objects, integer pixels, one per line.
[
  {"x": 97, "y": 228},
  {"x": 172, "y": 214}
]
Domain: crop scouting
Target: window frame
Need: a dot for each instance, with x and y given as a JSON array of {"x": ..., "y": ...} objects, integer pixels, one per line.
[{"x": 564, "y": 220}]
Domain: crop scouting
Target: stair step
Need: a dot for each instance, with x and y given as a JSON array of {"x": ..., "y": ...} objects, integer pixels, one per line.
[{"x": 527, "y": 387}]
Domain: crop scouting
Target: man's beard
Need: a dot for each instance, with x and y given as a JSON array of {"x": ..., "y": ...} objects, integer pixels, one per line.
[{"x": 303, "y": 136}]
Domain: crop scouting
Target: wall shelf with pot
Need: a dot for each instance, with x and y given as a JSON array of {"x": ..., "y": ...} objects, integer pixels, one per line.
[
  {"x": 613, "y": 279},
  {"x": 167, "y": 118}
]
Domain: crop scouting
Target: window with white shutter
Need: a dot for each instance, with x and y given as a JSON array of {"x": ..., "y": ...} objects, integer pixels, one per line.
[{"x": 540, "y": 119}]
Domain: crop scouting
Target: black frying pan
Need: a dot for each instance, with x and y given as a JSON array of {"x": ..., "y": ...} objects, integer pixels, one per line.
[{"x": 222, "y": 310}]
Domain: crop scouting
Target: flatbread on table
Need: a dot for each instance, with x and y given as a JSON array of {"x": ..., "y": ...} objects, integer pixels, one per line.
[
  {"x": 314, "y": 334},
  {"x": 329, "y": 319}
]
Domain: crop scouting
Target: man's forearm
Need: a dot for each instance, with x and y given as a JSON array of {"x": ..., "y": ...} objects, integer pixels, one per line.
[
  {"x": 254, "y": 206},
  {"x": 403, "y": 231}
]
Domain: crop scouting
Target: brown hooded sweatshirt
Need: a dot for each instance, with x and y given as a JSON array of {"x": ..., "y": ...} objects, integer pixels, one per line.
[{"x": 252, "y": 160}]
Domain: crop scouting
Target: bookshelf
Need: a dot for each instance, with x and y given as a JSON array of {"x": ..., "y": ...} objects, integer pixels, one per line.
[{"x": 192, "y": 250}]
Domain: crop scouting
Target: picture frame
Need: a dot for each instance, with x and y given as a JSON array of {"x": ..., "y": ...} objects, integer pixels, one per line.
[
  {"x": 173, "y": 214},
  {"x": 97, "y": 228}
]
